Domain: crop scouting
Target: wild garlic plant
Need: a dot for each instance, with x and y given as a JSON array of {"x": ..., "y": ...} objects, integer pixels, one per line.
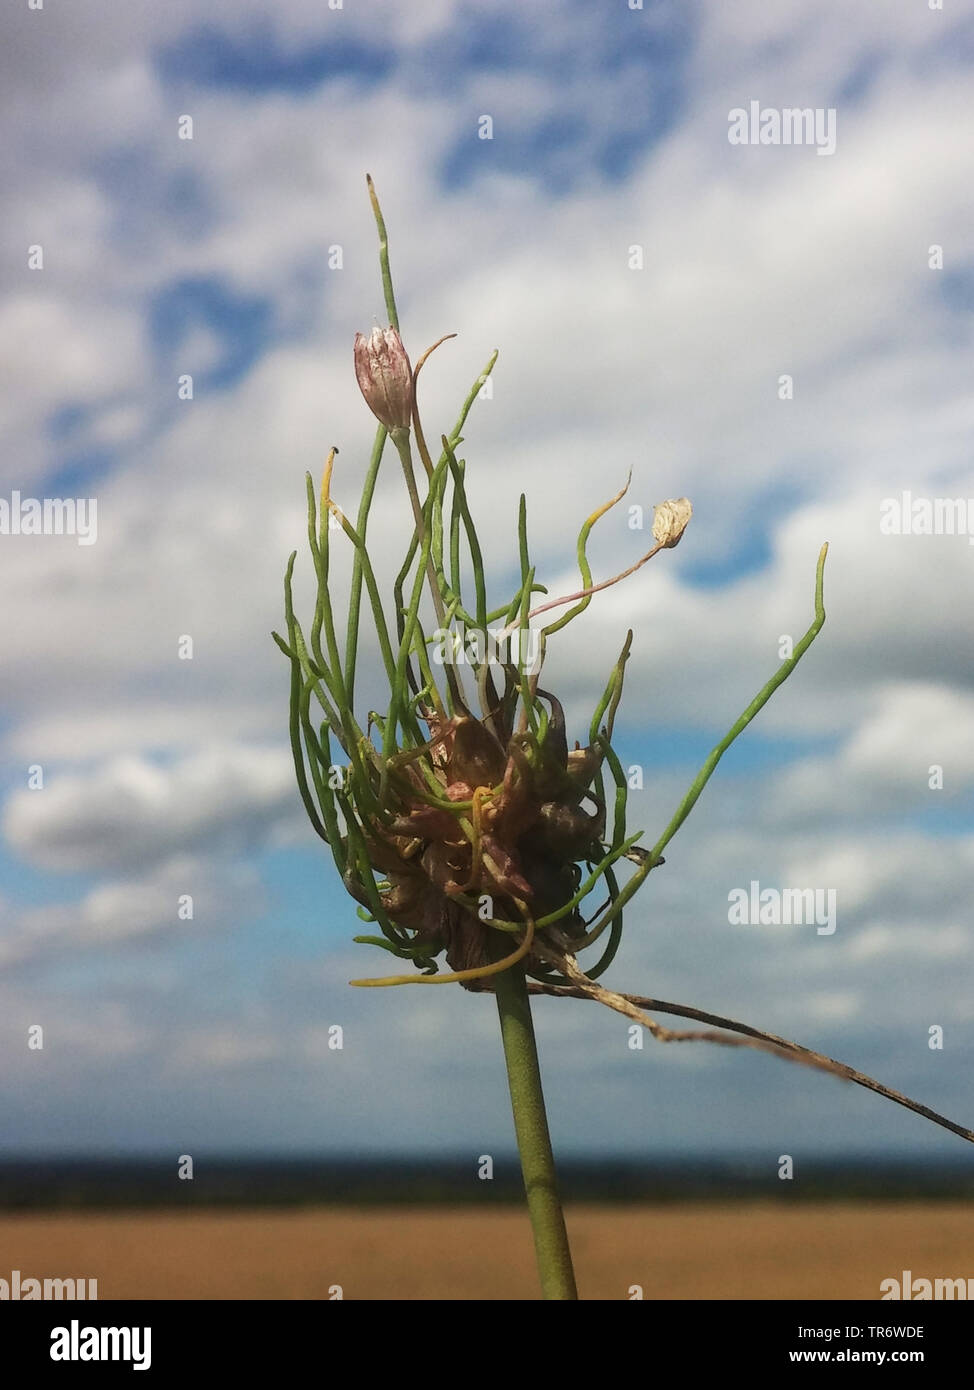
[{"x": 466, "y": 821}]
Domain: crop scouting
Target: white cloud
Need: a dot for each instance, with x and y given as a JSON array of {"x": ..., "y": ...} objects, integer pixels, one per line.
[
  {"x": 130, "y": 811},
  {"x": 933, "y": 943},
  {"x": 184, "y": 896}
]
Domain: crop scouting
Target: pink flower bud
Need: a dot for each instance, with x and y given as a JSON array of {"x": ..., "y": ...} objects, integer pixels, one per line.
[{"x": 385, "y": 377}]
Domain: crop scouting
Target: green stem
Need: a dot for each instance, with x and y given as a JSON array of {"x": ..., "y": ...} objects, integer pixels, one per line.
[
  {"x": 400, "y": 437},
  {"x": 756, "y": 705},
  {"x": 380, "y": 223},
  {"x": 655, "y": 855},
  {"x": 533, "y": 1139},
  {"x": 355, "y": 595}
]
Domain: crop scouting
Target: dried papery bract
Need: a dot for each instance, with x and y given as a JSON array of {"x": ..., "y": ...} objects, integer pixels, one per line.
[
  {"x": 466, "y": 823},
  {"x": 670, "y": 520}
]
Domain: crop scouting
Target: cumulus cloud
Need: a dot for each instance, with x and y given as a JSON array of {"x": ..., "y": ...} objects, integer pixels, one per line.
[
  {"x": 184, "y": 895},
  {"x": 132, "y": 812},
  {"x": 911, "y": 746}
]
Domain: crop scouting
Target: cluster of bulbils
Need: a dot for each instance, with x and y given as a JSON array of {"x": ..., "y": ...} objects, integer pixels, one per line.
[{"x": 530, "y": 828}]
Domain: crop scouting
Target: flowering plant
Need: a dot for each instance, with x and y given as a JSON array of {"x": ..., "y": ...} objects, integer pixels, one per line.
[{"x": 464, "y": 822}]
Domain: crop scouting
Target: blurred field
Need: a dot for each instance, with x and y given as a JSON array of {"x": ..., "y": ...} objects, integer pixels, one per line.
[{"x": 703, "y": 1250}]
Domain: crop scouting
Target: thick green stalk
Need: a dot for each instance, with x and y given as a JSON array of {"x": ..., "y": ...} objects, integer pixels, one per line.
[{"x": 533, "y": 1140}]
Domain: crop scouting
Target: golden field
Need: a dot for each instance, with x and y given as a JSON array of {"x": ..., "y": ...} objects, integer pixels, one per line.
[{"x": 680, "y": 1250}]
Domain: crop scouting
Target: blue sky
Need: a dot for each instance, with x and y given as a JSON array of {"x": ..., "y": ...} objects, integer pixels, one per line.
[{"x": 163, "y": 777}]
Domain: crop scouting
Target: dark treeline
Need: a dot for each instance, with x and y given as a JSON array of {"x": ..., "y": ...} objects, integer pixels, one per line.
[{"x": 244, "y": 1182}]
